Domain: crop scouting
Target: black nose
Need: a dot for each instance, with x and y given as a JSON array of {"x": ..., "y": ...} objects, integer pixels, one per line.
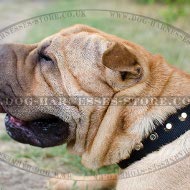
[
  {"x": 10, "y": 56},
  {"x": 7, "y": 73},
  {"x": 6, "y": 57},
  {"x": 2, "y": 110},
  {"x": 5, "y": 52}
]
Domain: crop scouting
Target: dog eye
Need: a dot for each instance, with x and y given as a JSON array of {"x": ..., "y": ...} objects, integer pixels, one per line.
[{"x": 44, "y": 58}]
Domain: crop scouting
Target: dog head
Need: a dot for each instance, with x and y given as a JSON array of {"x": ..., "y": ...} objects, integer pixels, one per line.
[{"x": 67, "y": 83}]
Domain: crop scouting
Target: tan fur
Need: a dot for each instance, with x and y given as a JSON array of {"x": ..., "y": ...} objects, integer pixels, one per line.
[{"x": 87, "y": 65}]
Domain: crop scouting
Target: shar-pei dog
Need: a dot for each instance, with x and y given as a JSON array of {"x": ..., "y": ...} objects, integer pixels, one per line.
[{"x": 120, "y": 104}]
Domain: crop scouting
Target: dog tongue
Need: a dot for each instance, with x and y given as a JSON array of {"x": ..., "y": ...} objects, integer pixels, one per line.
[{"x": 16, "y": 121}]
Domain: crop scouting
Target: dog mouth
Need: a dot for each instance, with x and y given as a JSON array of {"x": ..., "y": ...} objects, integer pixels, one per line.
[{"x": 43, "y": 133}]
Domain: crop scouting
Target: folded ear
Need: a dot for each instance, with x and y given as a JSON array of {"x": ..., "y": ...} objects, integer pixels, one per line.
[{"x": 119, "y": 58}]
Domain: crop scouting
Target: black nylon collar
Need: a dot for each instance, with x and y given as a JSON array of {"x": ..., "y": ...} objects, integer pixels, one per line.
[{"x": 177, "y": 124}]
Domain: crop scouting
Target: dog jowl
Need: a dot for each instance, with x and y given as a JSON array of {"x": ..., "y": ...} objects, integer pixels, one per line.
[{"x": 26, "y": 124}]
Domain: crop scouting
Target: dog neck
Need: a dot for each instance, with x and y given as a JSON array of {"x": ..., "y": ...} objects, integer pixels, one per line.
[
  {"x": 174, "y": 126},
  {"x": 123, "y": 127}
]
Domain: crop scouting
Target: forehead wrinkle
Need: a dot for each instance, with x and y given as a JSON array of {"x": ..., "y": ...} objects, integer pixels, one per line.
[
  {"x": 72, "y": 74},
  {"x": 87, "y": 48},
  {"x": 56, "y": 50},
  {"x": 79, "y": 60},
  {"x": 83, "y": 55},
  {"x": 46, "y": 81}
]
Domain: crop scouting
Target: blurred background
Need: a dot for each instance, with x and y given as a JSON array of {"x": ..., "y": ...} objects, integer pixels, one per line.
[{"x": 176, "y": 52}]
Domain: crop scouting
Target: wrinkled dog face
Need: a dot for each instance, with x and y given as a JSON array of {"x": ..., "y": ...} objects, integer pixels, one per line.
[{"x": 77, "y": 62}]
